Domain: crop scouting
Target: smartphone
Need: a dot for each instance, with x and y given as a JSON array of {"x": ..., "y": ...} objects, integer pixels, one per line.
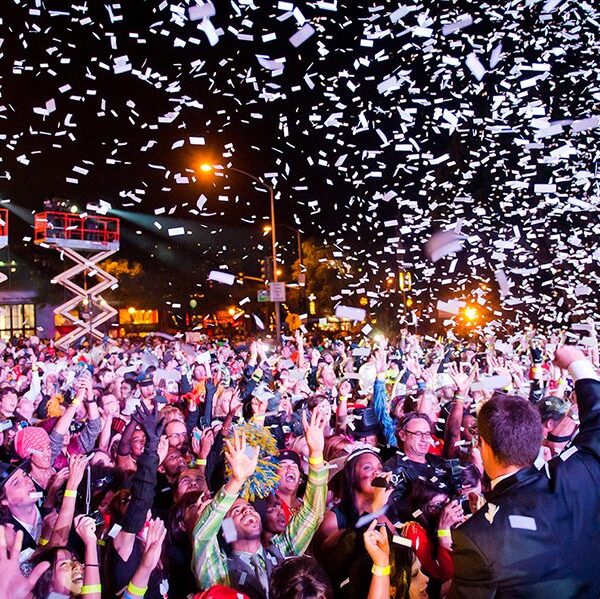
[
  {"x": 382, "y": 483},
  {"x": 96, "y": 517}
]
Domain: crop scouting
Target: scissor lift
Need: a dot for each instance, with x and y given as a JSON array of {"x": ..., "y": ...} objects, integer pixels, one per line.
[
  {"x": 3, "y": 227},
  {"x": 86, "y": 240}
]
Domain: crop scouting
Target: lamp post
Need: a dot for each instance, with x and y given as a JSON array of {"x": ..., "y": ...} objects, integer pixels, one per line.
[
  {"x": 209, "y": 167},
  {"x": 302, "y": 290}
]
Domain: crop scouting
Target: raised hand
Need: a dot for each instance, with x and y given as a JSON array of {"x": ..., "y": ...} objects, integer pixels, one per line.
[
  {"x": 206, "y": 443},
  {"x": 12, "y": 582},
  {"x": 462, "y": 380},
  {"x": 451, "y": 514},
  {"x": 163, "y": 448},
  {"x": 59, "y": 479},
  {"x": 241, "y": 458},
  {"x": 154, "y": 543},
  {"x": 567, "y": 354},
  {"x": 86, "y": 529},
  {"x": 381, "y": 495},
  {"x": 430, "y": 374},
  {"x": 414, "y": 367},
  {"x": 77, "y": 466},
  {"x": 149, "y": 421},
  {"x": 314, "y": 432},
  {"x": 380, "y": 360},
  {"x": 377, "y": 544}
]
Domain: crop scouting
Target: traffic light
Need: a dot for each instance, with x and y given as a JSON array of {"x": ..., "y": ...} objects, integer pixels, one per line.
[
  {"x": 405, "y": 281},
  {"x": 409, "y": 302},
  {"x": 266, "y": 268}
]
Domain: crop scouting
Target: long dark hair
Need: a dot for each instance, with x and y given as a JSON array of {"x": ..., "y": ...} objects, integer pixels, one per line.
[
  {"x": 300, "y": 578},
  {"x": 420, "y": 495},
  {"x": 43, "y": 587},
  {"x": 176, "y": 535},
  {"x": 348, "y": 487}
]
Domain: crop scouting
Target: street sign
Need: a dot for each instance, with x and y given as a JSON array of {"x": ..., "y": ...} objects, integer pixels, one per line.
[
  {"x": 277, "y": 292},
  {"x": 262, "y": 295}
]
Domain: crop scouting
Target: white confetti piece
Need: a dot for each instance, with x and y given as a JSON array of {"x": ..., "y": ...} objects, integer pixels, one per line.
[
  {"x": 522, "y": 522},
  {"x": 302, "y": 35},
  {"x": 357, "y": 314},
  {"x": 475, "y": 66},
  {"x": 567, "y": 453},
  {"x": 403, "y": 541},
  {"x": 221, "y": 277}
]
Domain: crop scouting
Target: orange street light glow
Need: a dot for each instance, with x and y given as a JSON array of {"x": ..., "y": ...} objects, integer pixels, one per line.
[
  {"x": 205, "y": 167},
  {"x": 471, "y": 313}
]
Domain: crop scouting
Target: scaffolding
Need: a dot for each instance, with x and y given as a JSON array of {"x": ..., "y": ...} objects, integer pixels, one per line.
[
  {"x": 3, "y": 227},
  {"x": 86, "y": 241}
]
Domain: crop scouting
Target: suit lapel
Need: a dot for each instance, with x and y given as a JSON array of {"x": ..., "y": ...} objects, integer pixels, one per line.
[
  {"x": 514, "y": 479},
  {"x": 28, "y": 540},
  {"x": 240, "y": 567}
]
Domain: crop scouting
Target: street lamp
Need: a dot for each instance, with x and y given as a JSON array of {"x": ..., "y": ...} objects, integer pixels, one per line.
[{"x": 208, "y": 168}]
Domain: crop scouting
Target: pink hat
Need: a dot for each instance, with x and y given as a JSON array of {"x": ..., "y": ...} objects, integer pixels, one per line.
[{"x": 31, "y": 437}]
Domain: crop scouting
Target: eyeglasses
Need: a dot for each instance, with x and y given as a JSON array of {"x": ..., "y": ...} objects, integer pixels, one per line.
[
  {"x": 177, "y": 435},
  {"x": 419, "y": 434}
]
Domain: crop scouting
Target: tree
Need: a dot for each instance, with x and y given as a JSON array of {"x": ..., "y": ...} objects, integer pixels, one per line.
[{"x": 121, "y": 267}]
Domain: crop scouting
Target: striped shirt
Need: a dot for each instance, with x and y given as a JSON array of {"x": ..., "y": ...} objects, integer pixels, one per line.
[{"x": 209, "y": 562}]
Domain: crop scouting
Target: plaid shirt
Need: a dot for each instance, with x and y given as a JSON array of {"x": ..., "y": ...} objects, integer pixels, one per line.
[{"x": 210, "y": 562}]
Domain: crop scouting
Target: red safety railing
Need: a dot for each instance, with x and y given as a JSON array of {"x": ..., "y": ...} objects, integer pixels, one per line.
[
  {"x": 3, "y": 222},
  {"x": 55, "y": 226}
]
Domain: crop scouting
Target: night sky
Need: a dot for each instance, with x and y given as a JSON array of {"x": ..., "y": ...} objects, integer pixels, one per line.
[{"x": 387, "y": 123}]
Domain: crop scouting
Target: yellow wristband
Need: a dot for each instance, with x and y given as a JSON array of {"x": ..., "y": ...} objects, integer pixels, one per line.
[
  {"x": 70, "y": 493},
  {"x": 139, "y": 591},
  {"x": 259, "y": 418},
  {"x": 201, "y": 462},
  {"x": 43, "y": 541},
  {"x": 381, "y": 570},
  {"x": 315, "y": 461},
  {"x": 76, "y": 402},
  {"x": 90, "y": 589},
  {"x": 443, "y": 532}
]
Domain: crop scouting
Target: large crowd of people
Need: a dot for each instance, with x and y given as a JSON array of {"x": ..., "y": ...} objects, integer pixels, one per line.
[{"x": 323, "y": 468}]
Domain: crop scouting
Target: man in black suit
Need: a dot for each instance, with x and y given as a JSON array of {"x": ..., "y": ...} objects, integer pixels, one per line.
[
  {"x": 18, "y": 506},
  {"x": 539, "y": 534}
]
